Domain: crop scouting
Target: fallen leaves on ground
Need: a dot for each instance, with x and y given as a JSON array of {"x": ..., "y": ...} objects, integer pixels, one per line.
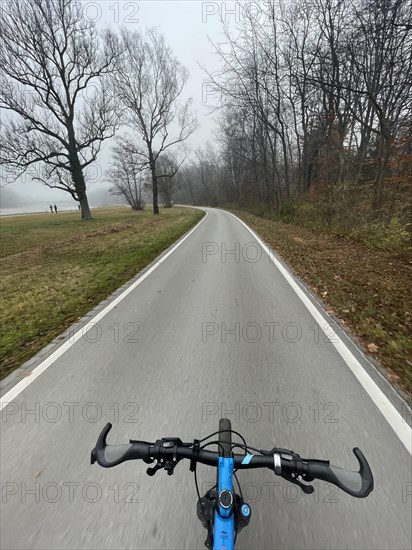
[{"x": 368, "y": 289}]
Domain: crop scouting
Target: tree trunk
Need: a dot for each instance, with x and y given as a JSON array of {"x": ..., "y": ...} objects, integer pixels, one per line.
[
  {"x": 378, "y": 184},
  {"x": 155, "y": 192},
  {"x": 80, "y": 186},
  {"x": 77, "y": 174},
  {"x": 84, "y": 206},
  {"x": 286, "y": 163},
  {"x": 191, "y": 191}
]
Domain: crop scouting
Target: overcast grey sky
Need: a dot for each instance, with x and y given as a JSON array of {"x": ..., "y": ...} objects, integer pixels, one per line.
[{"x": 186, "y": 25}]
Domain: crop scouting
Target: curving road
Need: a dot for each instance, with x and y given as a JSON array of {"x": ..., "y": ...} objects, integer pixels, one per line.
[{"x": 214, "y": 329}]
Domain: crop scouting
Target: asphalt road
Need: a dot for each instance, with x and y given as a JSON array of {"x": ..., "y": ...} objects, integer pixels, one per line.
[{"x": 205, "y": 334}]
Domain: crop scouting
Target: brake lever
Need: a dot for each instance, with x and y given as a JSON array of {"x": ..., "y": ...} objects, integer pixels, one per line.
[
  {"x": 307, "y": 489},
  {"x": 158, "y": 466}
]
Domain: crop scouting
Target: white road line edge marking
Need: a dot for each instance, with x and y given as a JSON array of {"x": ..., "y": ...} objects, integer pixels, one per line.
[
  {"x": 23, "y": 384},
  {"x": 392, "y": 416}
]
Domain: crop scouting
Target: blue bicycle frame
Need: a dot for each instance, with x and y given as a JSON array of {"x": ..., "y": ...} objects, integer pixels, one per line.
[{"x": 224, "y": 520}]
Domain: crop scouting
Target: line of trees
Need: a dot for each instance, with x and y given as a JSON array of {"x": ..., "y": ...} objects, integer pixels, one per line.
[
  {"x": 314, "y": 99},
  {"x": 65, "y": 89}
]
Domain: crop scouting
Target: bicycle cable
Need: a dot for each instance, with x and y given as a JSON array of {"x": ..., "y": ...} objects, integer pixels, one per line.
[{"x": 224, "y": 431}]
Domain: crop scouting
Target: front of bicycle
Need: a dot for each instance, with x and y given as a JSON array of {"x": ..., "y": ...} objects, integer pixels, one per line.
[{"x": 221, "y": 510}]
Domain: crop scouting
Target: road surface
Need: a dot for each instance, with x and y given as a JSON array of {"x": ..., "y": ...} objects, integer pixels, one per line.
[{"x": 206, "y": 333}]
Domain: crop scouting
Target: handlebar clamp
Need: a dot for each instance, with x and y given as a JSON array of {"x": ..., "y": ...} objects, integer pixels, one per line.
[
  {"x": 193, "y": 461},
  {"x": 296, "y": 464},
  {"x": 169, "y": 465}
]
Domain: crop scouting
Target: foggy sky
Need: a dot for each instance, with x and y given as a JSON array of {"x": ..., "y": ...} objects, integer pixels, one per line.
[{"x": 186, "y": 25}]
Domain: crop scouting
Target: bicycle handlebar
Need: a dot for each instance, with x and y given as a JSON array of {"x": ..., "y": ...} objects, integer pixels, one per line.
[
  {"x": 358, "y": 484},
  {"x": 287, "y": 464}
]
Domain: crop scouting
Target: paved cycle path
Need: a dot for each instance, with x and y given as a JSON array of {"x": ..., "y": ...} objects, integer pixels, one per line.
[{"x": 215, "y": 329}]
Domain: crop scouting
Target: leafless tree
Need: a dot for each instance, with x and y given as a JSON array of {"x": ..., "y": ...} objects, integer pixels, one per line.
[
  {"x": 382, "y": 55},
  {"x": 126, "y": 177},
  {"x": 314, "y": 98},
  {"x": 149, "y": 81},
  {"x": 187, "y": 185},
  {"x": 166, "y": 170},
  {"x": 54, "y": 91}
]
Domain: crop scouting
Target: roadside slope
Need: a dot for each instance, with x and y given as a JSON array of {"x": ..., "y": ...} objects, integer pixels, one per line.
[{"x": 368, "y": 290}]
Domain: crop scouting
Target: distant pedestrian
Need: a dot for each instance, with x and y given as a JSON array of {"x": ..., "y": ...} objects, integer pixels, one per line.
[
  {"x": 55, "y": 208},
  {"x": 78, "y": 206},
  {"x": 51, "y": 209}
]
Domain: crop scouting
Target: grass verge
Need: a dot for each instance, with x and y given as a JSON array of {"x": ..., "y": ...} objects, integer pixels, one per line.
[
  {"x": 55, "y": 268},
  {"x": 368, "y": 289}
]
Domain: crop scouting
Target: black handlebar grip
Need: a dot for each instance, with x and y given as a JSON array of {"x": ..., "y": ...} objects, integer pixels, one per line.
[
  {"x": 101, "y": 444},
  {"x": 357, "y": 484},
  {"x": 111, "y": 455}
]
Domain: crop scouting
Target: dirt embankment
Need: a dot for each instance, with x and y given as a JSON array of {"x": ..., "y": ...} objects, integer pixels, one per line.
[{"x": 368, "y": 289}]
